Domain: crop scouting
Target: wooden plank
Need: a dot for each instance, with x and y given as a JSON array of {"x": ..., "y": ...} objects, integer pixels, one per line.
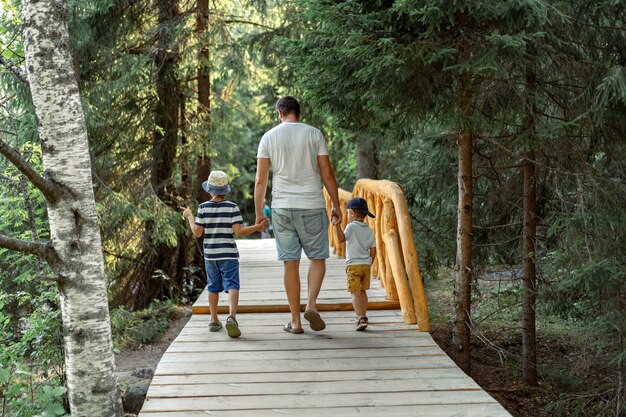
[
  {"x": 337, "y": 317},
  {"x": 375, "y": 316},
  {"x": 314, "y": 376},
  {"x": 301, "y": 344},
  {"x": 347, "y": 364},
  {"x": 386, "y": 352},
  {"x": 257, "y": 327},
  {"x": 307, "y": 335},
  {"x": 448, "y": 410},
  {"x": 291, "y": 401},
  {"x": 305, "y": 388},
  {"x": 381, "y": 305}
]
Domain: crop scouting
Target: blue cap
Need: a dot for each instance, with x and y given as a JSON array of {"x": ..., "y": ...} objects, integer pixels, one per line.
[{"x": 359, "y": 204}]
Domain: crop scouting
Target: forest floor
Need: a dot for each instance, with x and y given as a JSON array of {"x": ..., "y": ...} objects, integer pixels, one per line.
[{"x": 576, "y": 371}]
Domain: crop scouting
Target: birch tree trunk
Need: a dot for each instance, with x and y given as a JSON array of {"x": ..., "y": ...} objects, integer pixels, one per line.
[{"x": 74, "y": 229}]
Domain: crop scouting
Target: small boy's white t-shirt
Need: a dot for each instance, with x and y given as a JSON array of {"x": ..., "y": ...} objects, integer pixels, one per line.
[
  {"x": 293, "y": 149},
  {"x": 359, "y": 240}
]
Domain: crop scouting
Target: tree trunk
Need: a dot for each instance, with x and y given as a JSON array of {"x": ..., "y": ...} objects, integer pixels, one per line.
[
  {"x": 162, "y": 263},
  {"x": 203, "y": 163},
  {"x": 621, "y": 364},
  {"x": 168, "y": 92},
  {"x": 184, "y": 178},
  {"x": 74, "y": 230},
  {"x": 463, "y": 287},
  {"x": 529, "y": 338},
  {"x": 367, "y": 158},
  {"x": 463, "y": 282}
]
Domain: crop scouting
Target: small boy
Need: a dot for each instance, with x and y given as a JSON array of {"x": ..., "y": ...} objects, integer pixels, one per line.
[
  {"x": 218, "y": 219},
  {"x": 360, "y": 253}
]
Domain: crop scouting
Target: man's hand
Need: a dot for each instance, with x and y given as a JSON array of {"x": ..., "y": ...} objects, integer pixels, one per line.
[
  {"x": 263, "y": 222},
  {"x": 262, "y": 219},
  {"x": 335, "y": 216}
]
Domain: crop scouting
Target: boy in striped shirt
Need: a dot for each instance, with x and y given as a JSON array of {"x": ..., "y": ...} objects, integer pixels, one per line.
[{"x": 219, "y": 220}]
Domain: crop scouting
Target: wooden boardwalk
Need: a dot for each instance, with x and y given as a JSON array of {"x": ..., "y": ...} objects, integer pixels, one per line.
[{"x": 391, "y": 369}]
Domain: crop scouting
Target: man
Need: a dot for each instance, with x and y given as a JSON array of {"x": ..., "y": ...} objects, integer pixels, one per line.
[{"x": 298, "y": 156}]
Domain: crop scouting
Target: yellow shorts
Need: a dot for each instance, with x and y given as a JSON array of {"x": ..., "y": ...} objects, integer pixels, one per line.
[{"x": 358, "y": 277}]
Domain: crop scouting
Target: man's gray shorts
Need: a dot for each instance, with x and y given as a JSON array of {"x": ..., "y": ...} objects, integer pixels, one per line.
[{"x": 297, "y": 229}]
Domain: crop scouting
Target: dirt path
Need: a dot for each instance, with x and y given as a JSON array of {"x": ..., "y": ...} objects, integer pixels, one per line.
[{"x": 135, "y": 367}]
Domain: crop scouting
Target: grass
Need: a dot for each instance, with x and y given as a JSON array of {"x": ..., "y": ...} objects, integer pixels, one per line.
[{"x": 132, "y": 329}]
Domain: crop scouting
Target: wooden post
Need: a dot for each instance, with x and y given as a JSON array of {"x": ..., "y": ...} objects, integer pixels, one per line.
[
  {"x": 389, "y": 221},
  {"x": 394, "y": 254},
  {"x": 378, "y": 230}
]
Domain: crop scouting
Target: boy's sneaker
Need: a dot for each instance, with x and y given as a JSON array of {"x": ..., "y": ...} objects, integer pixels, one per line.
[
  {"x": 215, "y": 326},
  {"x": 232, "y": 327},
  {"x": 361, "y": 324}
]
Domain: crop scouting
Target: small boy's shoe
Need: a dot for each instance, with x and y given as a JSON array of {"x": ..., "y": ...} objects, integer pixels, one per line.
[
  {"x": 215, "y": 326},
  {"x": 361, "y": 324},
  {"x": 232, "y": 327}
]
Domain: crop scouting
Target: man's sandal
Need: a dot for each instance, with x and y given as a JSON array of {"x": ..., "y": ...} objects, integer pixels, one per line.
[
  {"x": 290, "y": 329},
  {"x": 314, "y": 319}
]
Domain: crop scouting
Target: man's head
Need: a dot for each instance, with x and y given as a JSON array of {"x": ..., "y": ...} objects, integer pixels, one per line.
[{"x": 287, "y": 106}]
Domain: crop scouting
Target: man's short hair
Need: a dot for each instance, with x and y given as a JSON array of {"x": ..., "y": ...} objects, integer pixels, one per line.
[{"x": 287, "y": 105}]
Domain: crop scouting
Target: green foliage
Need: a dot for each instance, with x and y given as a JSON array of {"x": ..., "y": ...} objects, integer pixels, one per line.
[
  {"x": 131, "y": 329},
  {"x": 31, "y": 353}
]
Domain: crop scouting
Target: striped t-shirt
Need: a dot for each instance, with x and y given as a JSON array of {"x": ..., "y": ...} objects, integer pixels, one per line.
[{"x": 217, "y": 218}]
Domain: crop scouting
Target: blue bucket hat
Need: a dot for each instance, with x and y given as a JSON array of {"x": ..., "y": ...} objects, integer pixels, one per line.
[
  {"x": 359, "y": 204},
  {"x": 217, "y": 184}
]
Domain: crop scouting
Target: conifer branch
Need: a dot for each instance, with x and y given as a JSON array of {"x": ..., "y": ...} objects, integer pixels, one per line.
[
  {"x": 42, "y": 249},
  {"x": 247, "y": 22},
  {"x": 15, "y": 69},
  {"x": 50, "y": 190}
]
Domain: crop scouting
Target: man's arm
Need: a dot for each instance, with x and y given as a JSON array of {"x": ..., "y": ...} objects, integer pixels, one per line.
[
  {"x": 260, "y": 186},
  {"x": 328, "y": 178}
]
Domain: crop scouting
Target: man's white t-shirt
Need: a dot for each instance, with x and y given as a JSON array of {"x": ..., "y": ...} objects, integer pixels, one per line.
[{"x": 293, "y": 149}]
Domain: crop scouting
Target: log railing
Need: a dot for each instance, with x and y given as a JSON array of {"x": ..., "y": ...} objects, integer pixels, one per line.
[{"x": 396, "y": 257}]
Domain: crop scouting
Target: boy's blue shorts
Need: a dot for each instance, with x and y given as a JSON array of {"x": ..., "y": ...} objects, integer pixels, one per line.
[{"x": 222, "y": 275}]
